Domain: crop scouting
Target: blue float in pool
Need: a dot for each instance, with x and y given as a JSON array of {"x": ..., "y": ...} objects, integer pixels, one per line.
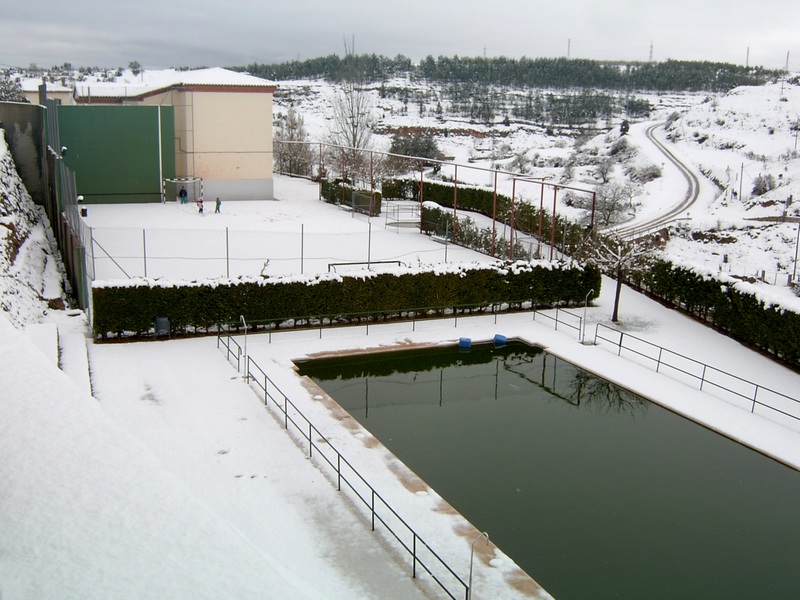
[{"x": 499, "y": 340}]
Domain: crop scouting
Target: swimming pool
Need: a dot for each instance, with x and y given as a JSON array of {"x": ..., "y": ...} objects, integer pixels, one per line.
[{"x": 594, "y": 491}]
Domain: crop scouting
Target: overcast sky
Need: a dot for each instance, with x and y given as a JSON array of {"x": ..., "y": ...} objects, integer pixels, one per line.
[{"x": 173, "y": 33}]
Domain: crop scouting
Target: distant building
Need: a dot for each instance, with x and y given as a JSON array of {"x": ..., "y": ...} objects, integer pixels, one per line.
[{"x": 222, "y": 123}]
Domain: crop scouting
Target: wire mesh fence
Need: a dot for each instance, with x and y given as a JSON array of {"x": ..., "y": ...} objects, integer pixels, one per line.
[{"x": 121, "y": 253}]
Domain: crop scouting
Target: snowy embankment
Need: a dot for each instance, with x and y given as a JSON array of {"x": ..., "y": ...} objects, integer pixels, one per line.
[{"x": 172, "y": 482}]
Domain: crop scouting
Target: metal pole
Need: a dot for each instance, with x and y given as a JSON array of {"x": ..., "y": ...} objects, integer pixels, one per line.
[
  {"x": 421, "y": 189},
  {"x": 227, "y": 255},
  {"x": 541, "y": 219},
  {"x": 246, "y": 370},
  {"x": 585, "y": 305},
  {"x": 455, "y": 203},
  {"x": 371, "y": 185},
  {"x": 494, "y": 213},
  {"x": 511, "y": 234},
  {"x": 553, "y": 224},
  {"x": 301, "y": 247},
  {"x": 796, "y": 244},
  {"x": 144, "y": 250},
  {"x": 471, "y": 556},
  {"x": 369, "y": 245}
]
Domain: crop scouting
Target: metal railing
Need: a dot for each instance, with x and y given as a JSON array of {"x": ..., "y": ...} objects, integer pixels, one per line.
[
  {"x": 377, "y": 508},
  {"x": 726, "y": 385},
  {"x": 412, "y": 316}
]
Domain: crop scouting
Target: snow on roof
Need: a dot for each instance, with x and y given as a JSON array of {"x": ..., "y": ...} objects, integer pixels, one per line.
[
  {"x": 31, "y": 84},
  {"x": 147, "y": 82}
]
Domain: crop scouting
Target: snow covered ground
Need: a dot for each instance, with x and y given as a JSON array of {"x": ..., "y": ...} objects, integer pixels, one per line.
[
  {"x": 173, "y": 481},
  {"x": 731, "y": 137}
]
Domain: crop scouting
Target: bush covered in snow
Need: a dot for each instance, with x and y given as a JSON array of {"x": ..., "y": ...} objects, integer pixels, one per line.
[{"x": 131, "y": 307}]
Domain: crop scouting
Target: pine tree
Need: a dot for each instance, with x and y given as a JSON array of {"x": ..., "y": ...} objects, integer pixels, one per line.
[
  {"x": 10, "y": 89},
  {"x": 294, "y": 155}
]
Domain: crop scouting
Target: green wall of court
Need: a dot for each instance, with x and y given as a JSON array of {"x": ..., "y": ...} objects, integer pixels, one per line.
[{"x": 120, "y": 154}]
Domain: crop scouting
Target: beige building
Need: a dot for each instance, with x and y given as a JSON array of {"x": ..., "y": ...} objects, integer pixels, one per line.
[{"x": 223, "y": 123}]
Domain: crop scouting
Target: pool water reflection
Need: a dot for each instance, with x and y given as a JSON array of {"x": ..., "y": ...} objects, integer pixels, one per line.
[{"x": 594, "y": 491}]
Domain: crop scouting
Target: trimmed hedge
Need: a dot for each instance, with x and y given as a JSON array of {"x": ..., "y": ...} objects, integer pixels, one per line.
[
  {"x": 526, "y": 215},
  {"x": 341, "y": 192},
  {"x": 131, "y": 307},
  {"x": 731, "y": 307}
]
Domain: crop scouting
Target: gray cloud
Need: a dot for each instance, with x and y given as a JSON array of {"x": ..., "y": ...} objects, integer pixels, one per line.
[{"x": 238, "y": 32}]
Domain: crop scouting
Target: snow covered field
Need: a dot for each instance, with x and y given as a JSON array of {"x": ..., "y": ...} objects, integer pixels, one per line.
[{"x": 173, "y": 481}]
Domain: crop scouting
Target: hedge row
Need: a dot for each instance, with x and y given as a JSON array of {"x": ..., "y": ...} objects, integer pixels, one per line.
[
  {"x": 132, "y": 307},
  {"x": 341, "y": 192},
  {"x": 730, "y": 307},
  {"x": 481, "y": 239},
  {"x": 526, "y": 215}
]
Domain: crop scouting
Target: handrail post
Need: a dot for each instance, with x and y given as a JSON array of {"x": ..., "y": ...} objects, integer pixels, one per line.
[
  {"x": 414, "y": 555},
  {"x": 471, "y": 556},
  {"x": 246, "y": 366}
]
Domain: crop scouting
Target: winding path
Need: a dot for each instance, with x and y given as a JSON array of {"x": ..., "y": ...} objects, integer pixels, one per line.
[{"x": 634, "y": 228}]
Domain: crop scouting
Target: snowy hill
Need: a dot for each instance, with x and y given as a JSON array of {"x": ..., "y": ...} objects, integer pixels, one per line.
[{"x": 737, "y": 140}]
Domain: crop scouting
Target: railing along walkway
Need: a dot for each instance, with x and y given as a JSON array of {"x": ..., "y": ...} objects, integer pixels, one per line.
[
  {"x": 722, "y": 384},
  {"x": 346, "y": 476}
]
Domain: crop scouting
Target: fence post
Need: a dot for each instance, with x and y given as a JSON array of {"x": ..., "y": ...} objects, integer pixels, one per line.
[
  {"x": 658, "y": 364},
  {"x": 338, "y": 472},
  {"x": 619, "y": 349},
  {"x": 373, "y": 509},
  {"x": 414, "y": 554},
  {"x": 310, "y": 443},
  {"x": 703, "y": 378},
  {"x": 285, "y": 412},
  {"x": 755, "y": 396}
]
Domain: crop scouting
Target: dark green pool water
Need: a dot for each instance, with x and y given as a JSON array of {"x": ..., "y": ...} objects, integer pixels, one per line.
[{"x": 594, "y": 491}]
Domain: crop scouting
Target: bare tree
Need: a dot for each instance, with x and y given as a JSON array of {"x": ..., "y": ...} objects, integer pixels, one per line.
[
  {"x": 353, "y": 120},
  {"x": 616, "y": 258},
  {"x": 613, "y": 203}
]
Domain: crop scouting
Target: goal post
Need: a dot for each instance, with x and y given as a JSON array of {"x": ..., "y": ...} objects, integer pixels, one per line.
[{"x": 171, "y": 189}]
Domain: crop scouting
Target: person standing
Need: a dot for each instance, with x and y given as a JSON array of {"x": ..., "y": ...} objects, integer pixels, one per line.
[
  {"x": 200, "y": 205},
  {"x": 218, "y": 205},
  {"x": 183, "y": 194}
]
